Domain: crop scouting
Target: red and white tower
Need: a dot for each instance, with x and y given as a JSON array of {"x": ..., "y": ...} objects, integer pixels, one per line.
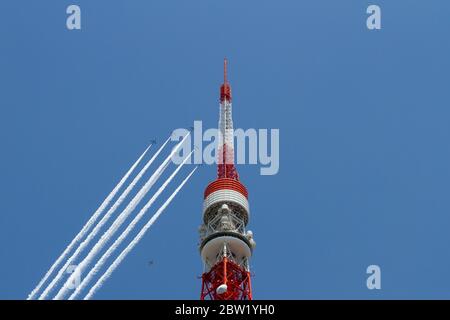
[{"x": 225, "y": 245}]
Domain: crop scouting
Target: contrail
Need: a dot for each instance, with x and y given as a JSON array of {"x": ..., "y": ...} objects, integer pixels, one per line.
[
  {"x": 126, "y": 232},
  {"x": 133, "y": 243},
  {"x": 118, "y": 222},
  {"x": 87, "y": 226},
  {"x": 97, "y": 228}
]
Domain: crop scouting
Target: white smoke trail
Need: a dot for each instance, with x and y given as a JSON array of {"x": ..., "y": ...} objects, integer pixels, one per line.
[
  {"x": 101, "y": 223},
  {"x": 126, "y": 232},
  {"x": 86, "y": 227},
  {"x": 118, "y": 222},
  {"x": 135, "y": 241}
]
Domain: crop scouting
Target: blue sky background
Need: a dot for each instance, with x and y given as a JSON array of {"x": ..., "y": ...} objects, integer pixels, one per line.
[{"x": 363, "y": 118}]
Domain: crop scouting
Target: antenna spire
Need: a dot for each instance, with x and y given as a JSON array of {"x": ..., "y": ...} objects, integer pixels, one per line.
[
  {"x": 225, "y": 88},
  {"x": 225, "y": 70}
]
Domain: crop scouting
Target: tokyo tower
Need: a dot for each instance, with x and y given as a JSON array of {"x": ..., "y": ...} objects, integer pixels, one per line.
[{"x": 225, "y": 244}]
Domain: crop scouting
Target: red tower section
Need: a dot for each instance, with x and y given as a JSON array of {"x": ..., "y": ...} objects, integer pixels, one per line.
[{"x": 225, "y": 244}]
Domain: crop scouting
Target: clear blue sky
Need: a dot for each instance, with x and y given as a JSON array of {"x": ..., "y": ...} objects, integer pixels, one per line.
[{"x": 364, "y": 124}]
